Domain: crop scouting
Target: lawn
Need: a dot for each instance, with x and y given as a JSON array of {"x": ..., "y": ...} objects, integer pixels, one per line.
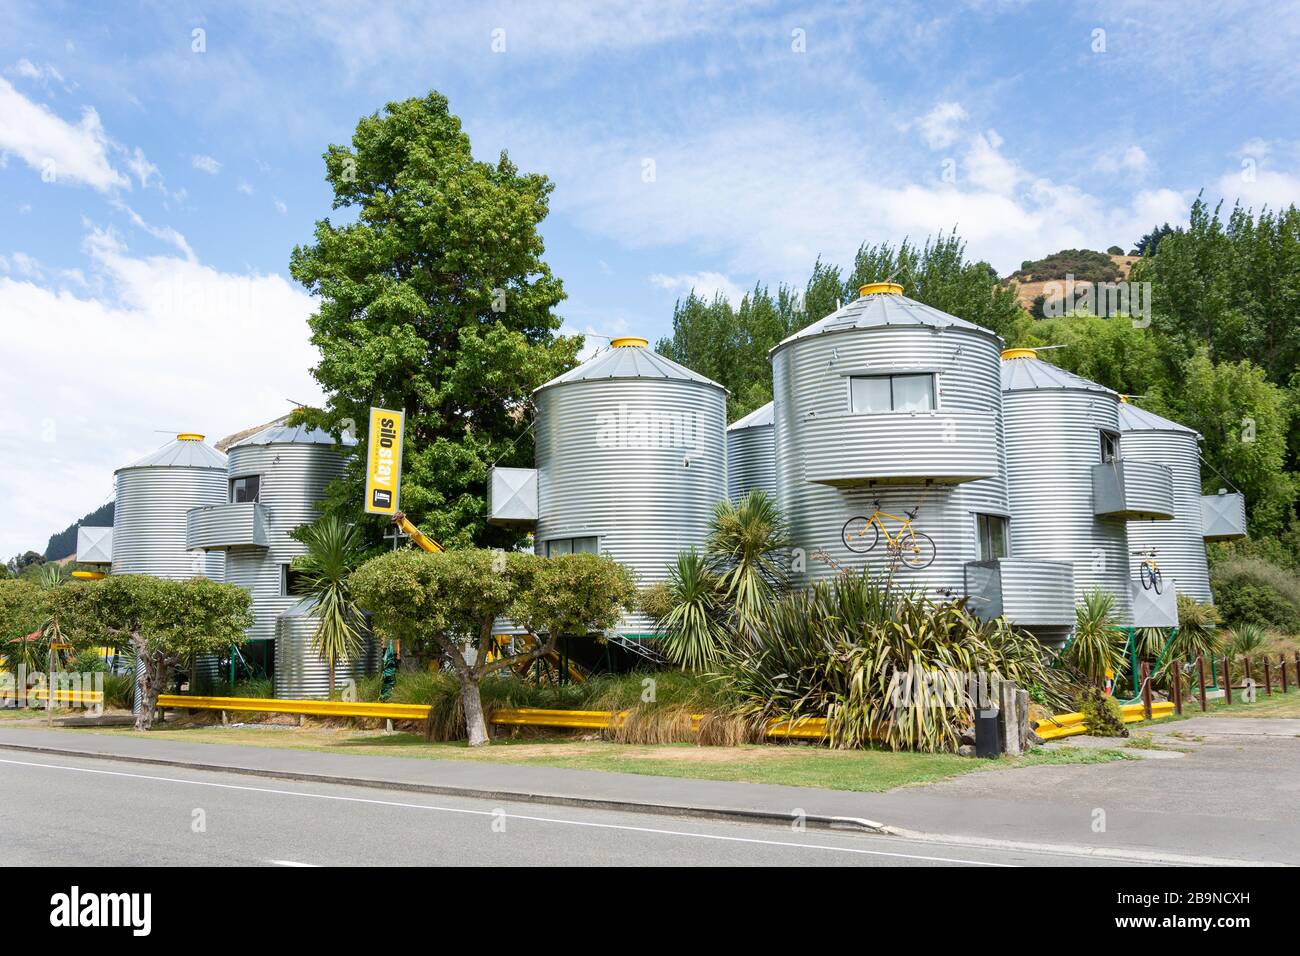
[{"x": 786, "y": 764}]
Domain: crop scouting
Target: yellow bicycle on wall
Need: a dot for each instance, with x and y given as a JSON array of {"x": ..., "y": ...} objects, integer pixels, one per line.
[{"x": 913, "y": 548}]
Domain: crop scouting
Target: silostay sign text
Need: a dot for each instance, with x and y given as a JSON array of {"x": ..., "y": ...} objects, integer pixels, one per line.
[{"x": 384, "y": 461}]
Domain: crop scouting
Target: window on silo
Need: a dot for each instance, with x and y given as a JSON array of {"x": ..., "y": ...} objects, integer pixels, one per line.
[
  {"x": 558, "y": 546},
  {"x": 992, "y": 531},
  {"x": 897, "y": 393},
  {"x": 292, "y": 583},
  {"x": 1109, "y": 446},
  {"x": 245, "y": 488}
]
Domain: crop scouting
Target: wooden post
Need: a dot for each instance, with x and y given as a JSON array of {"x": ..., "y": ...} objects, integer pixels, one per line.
[
  {"x": 1245, "y": 663},
  {"x": 1146, "y": 690},
  {"x": 1227, "y": 679},
  {"x": 1176, "y": 672},
  {"x": 1200, "y": 674},
  {"x": 1281, "y": 665},
  {"x": 1268, "y": 678}
]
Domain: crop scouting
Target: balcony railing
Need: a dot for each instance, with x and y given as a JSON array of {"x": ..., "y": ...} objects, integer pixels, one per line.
[
  {"x": 219, "y": 527},
  {"x": 1133, "y": 490},
  {"x": 901, "y": 448},
  {"x": 1026, "y": 592},
  {"x": 1223, "y": 516}
]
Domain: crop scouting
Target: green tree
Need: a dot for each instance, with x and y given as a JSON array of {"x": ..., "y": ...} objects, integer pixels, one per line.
[
  {"x": 1245, "y": 420},
  {"x": 1111, "y": 351},
  {"x": 434, "y": 299},
  {"x": 448, "y": 602},
  {"x": 334, "y": 550},
  {"x": 167, "y": 623},
  {"x": 939, "y": 274},
  {"x": 22, "y": 612}
]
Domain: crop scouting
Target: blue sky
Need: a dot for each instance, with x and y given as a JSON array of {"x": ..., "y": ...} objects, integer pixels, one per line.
[{"x": 153, "y": 180}]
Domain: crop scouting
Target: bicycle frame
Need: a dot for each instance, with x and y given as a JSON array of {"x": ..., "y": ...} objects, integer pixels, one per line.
[{"x": 891, "y": 540}]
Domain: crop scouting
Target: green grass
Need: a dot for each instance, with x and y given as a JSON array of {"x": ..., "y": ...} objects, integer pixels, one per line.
[
  {"x": 1277, "y": 705},
  {"x": 784, "y": 764}
]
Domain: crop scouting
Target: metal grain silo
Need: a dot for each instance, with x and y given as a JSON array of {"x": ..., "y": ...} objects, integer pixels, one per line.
[
  {"x": 1179, "y": 543},
  {"x": 301, "y": 673},
  {"x": 888, "y": 398},
  {"x": 1071, "y": 494},
  {"x": 751, "y": 454},
  {"x": 275, "y": 482},
  {"x": 153, "y": 497},
  {"x": 631, "y": 459}
]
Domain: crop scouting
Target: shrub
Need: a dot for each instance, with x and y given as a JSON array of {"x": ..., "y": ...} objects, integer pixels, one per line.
[
  {"x": 882, "y": 665},
  {"x": 1101, "y": 713},
  {"x": 1197, "y": 631},
  {"x": 1098, "y": 645},
  {"x": 1246, "y": 640},
  {"x": 1253, "y": 590}
]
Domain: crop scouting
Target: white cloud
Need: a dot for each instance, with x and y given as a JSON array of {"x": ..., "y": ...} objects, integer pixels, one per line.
[
  {"x": 59, "y": 150},
  {"x": 767, "y": 197},
  {"x": 165, "y": 233},
  {"x": 1132, "y": 159},
  {"x": 706, "y": 285},
  {"x": 280, "y": 206},
  {"x": 170, "y": 344},
  {"x": 205, "y": 164},
  {"x": 244, "y": 187},
  {"x": 1257, "y": 188},
  {"x": 41, "y": 74},
  {"x": 940, "y": 127},
  {"x": 144, "y": 170}
]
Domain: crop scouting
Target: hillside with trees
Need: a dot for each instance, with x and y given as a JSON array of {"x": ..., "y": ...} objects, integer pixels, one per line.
[{"x": 64, "y": 544}]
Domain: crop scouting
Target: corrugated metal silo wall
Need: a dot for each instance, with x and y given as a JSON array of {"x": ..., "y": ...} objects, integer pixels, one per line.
[
  {"x": 1180, "y": 548},
  {"x": 751, "y": 461},
  {"x": 639, "y": 462},
  {"x": 1053, "y": 442},
  {"x": 293, "y": 480},
  {"x": 810, "y": 376},
  {"x": 300, "y": 674},
  {"x": 149, "y": 521}
]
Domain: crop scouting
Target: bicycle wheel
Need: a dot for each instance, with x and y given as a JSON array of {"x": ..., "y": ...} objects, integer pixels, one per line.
[
  {"x": 1148, "y": 579},
  {"x": 1157, "y": 581},
  {"x": 860, "y": 534},
  {"x": 916, "y": 549}
]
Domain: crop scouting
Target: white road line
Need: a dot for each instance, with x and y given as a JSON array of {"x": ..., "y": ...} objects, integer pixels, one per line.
[
  {"x": 515, "y": 816},
  {"x": 291, "y": 863}
]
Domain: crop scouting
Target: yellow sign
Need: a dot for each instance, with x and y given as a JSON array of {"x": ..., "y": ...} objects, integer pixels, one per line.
[{"x": 384, "y": 461}]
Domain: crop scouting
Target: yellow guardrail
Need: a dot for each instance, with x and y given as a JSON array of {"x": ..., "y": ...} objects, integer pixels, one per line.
[
  {"x": 807, "y": 728},
  {"x": 60, "y": 696},
  {"x": 312, "y": 708},
  {"x": 1070, "y": 725}
]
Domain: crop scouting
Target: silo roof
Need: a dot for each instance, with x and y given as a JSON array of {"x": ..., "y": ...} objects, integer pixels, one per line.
[
  {"x": 880, "y": 309},
  {"x": 628, "y": 361},
  {"x": 1134, "y": 419},
  {"x": 282, "y": 434},
  {"x": 182, "y": 453},
  {"x": 764, "y": 415},
  {"x": 1028, "y": 374}
]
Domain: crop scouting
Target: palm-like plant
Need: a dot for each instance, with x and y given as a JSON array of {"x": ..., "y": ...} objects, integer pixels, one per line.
[
  {"x": 1245, "y": 640},
  {"x": 744, "y": 539},
  {"x": 1197, "y": 630},
  {"x": 692, "y": 627},
  {"x": 333, "y": 552},
  {"x": 1098, "y": 645}
]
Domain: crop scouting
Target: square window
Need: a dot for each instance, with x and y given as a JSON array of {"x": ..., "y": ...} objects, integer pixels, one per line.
[
  {"x": 870, "y": 393},
  {"x": 586, "y": 546},
  {"x": 245, "y": 488},
  {"x": 1109, "y": 447},
  {"x": 913, "y": 393},
  {"x": 558, "y": 547}
]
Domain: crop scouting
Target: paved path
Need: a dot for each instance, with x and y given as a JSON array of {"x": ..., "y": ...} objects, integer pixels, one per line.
[
  {"x": 127, "y": 814},
  {"x": 1233, "y": 797}
]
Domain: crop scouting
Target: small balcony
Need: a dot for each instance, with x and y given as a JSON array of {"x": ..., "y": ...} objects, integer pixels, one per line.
[
  {"x": 895, "y": 448},
  {"x": 1026, "y": 592},
  {"x": 1223, "y": 516},
  {"x": 1133, "y": 491},
  {"x": 220, "y": 527},
  {"x": 512, "y": 497}
]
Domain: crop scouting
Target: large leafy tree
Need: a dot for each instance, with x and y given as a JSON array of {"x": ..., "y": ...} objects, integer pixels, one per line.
[
  {"x": 167, "y": 623},
  {"x": 434, "y": 299},
  {"x": 445, "y": 605}
]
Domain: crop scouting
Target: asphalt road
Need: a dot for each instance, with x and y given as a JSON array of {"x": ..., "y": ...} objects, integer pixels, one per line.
[{"x": 90, "y": 812}]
